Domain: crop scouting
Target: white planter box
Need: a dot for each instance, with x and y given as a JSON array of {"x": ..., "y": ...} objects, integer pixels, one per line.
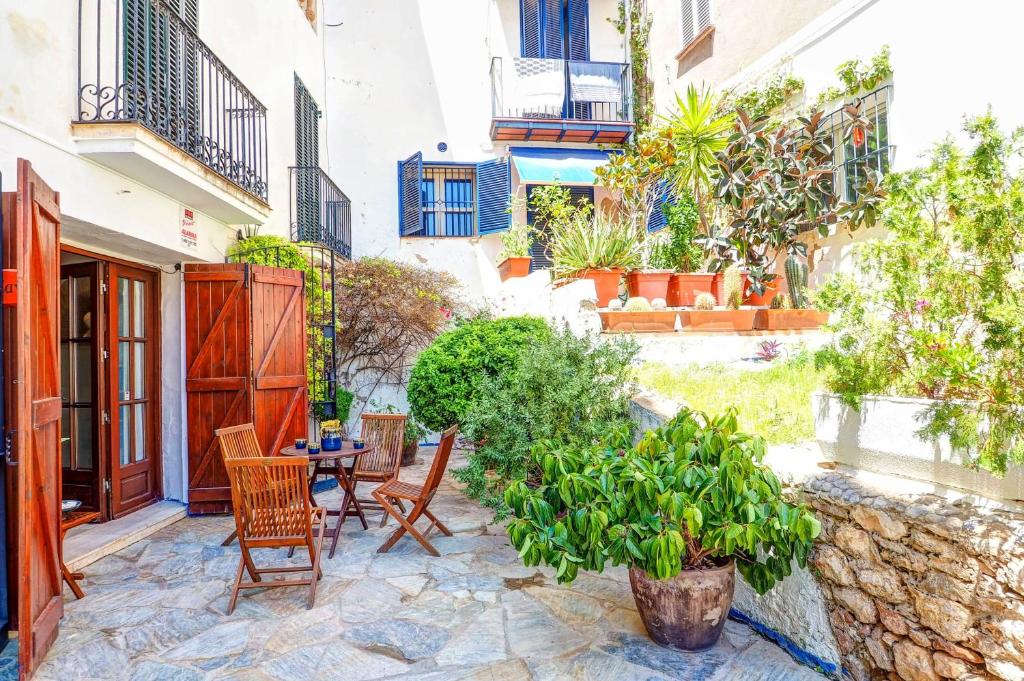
[{"x": 882, "y": 437}]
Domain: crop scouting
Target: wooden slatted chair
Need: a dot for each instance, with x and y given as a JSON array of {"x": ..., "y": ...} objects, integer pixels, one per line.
[
  {"x": 419, "y": 496},
  {"x": 273, "y": 510},
  {"x": 385, "y": 433},
  {"x": 238, "y": 442}
]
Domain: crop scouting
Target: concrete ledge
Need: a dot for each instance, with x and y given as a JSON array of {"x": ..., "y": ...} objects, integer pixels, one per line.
[{"x": 88, "y": 543}]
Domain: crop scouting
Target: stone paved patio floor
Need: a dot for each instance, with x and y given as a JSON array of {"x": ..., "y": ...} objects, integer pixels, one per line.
[{"x": 156, "y": 610}]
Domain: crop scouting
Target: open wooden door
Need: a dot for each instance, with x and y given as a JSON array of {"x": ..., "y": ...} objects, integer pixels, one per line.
[
  {"x": 218, "y": 357},
  {"x": 279, "y": 357},
  {"x": 32, "y": 375}
]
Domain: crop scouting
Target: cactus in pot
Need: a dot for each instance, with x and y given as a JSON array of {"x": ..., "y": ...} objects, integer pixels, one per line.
[
  {"x": 781, "y": 302},
  {"x": 733, "y": 287},
  {"x": 704, "y": 301},
  {"x": 796, "y": 280},
  {"x": 637, "y": 304}
]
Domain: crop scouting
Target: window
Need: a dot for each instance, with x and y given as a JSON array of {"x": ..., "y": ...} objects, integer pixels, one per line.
[
  {"x": 307, "y": 162},
  {"x": 866, "y": 149},
  {"x": 555, "y": 29},
  {"x": 452, "y": 199},
  {"x": 696, "y": 17}
]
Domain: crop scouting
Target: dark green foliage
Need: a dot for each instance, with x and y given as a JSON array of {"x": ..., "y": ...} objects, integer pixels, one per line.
[
  {"x": 682, "y": 253},
  {"x": 690, "y": 494},
  {"x": 446, "y": 377},
  {"x": 565, "y": 390}
]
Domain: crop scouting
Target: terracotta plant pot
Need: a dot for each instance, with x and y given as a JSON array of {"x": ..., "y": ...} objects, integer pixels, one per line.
[
  {"x": 687, "y": 612},
  {"x": 409, "y": 453},
  {"x": 772, "y": 289},
  {"x": 650, "y": 284},
  {"x": 514, "y": 267},
  {"x": 720, "y": 320},
  {"x": 684, "y": 287},
  {"x": 655, "y": 321},
  {"x": 783, "y": 320},
  {"x": 606, "y": 282}
]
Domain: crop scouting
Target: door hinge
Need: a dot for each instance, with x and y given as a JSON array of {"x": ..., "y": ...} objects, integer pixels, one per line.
[
  {"x": 106, "y": 416},
  {"x": 106, "y": 486},
  {"x": 103, "y": 288},
  {"x": 106, "y": 355}
]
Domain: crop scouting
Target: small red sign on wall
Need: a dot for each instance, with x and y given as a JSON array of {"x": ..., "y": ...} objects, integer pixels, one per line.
[{"x": 10, "y": 288}]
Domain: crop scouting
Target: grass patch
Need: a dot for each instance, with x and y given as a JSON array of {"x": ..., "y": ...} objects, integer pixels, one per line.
[{"x": 774, "y": 403}]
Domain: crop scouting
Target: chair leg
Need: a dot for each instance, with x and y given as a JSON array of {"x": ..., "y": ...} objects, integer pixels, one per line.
[
  {"x": 249, "y": 564},
  {"x": 444, "y": 530},
  {"x": 315, "y": 575},
  {"x": 231, "y": 538},
  {"x": 238, "y": 581},
  {"x": 407, "y": 527}
]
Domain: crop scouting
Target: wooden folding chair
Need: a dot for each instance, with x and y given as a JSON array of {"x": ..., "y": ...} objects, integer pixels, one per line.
[
  {"x": 238, "y": 442},
  {"x": 273, "y": 510},
  {"x": 386, "y": 434},
  {"x": 390, "y": 494}
]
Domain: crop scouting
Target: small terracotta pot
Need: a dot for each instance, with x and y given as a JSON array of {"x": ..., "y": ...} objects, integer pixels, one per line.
[
  {"x": 684, "y": 287},
  {"x": 409, "y": 453},
  {"x": 687, "y": 612},
  {"x": 606, "y": 282},
  {"x": 771, "y": 289},
  {"x": 511, "y": 268},
  {"x": 782, "y": 320},
  {"x": 720, "y": 320},
  {"x": 650, "y": 284}
]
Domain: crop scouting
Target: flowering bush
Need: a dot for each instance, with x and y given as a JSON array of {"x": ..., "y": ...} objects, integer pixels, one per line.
[{"x": 937, "y": 309}]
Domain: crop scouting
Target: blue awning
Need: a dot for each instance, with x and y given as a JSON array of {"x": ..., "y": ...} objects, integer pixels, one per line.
[{"x": 567, "y": 166}]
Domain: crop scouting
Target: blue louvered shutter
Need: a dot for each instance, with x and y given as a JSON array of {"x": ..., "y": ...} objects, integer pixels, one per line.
[
  {"x": 529, "y": 27},
  {"x": 493, "y": 190},
  {"x": 553, "y": 33},
  {"x": 579, "y": 30},
  {"x": 410, "y": 214},
  {"x": 656, "y": 220}
]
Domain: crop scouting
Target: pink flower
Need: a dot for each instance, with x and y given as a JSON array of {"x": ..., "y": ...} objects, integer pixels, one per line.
[
  {"x": 922, "y": 305},
  {"x": 445, "y": 312}
]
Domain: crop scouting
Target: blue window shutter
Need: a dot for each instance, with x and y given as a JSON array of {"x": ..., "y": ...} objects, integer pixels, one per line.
[
  {"x": 493, "y": 190},
  {"x": 579, "y": 30},
  {"x": 656, "y": 220},
  {"x": 553, "y": 33},
  {"x": 410, "y": 214},
  {"x": 529, "y": 27}
]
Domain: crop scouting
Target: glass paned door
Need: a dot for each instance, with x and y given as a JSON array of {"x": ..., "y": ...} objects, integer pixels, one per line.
[
  {"x": 133, "y": 387},
  {"x": 80, "y": 332}
]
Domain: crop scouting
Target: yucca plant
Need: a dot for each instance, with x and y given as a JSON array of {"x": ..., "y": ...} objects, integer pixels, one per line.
[{"x": 587, "y": 243}]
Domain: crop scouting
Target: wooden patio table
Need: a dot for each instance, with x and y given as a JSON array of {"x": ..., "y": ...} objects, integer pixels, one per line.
[
  {"x": 350, "y": 506},
  {"x": 69, "y": 520}
]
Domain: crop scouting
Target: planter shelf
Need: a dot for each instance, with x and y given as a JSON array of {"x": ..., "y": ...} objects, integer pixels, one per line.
[
  {"x": 789, "y": 320},
  {"x": 655, "y": 321},
  {"x": 683, "y": 288},
  {"x": 720, "y": 320}
]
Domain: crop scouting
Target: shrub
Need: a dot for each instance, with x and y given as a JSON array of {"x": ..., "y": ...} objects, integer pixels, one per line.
[
  {"x": 937, "y": 309},
  {"x": 690, "y": 494},
  {"x": 565, "y": 389},
  {"x": 446, "y": 376}
]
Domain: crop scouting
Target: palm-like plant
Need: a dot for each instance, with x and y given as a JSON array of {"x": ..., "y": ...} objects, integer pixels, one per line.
[
  {"x": 699, "y": 131},
  {"x": 587, "y": 243}
]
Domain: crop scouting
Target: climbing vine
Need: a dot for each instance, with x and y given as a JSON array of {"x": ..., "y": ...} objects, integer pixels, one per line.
[
  {"x": 771, "y": 95},
  {"x": 633, "y": 15},
  {"x": 857, "y": 76}
]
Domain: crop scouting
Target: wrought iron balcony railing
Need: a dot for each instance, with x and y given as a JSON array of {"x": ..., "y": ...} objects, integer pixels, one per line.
[
  {"x": 140, "y": 62},
  {"x": 319, "y": 211},
  {"x": 558, "y": 89}
]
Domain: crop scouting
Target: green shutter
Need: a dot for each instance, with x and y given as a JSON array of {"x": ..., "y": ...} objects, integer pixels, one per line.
[{"x": 307, "y": 161}]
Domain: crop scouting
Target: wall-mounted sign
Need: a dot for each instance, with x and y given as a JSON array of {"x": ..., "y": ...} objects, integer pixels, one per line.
[
  {"x": 189, "y": 233},
  {"x": 10, "y": 290}
]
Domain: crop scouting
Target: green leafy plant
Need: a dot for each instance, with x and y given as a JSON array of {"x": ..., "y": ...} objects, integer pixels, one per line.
[
  {"x": 633, "y": 15},
  {"x": 937, "y": 308},
  {"x": 691, "y": 494},
  {"x": 639, "y": 176},
  {"x": 516, "y": 241},
  {"x": 769, "y": 96},
  {"x": 414, "y": 432},
  {"x": 682, "y": 252},
  {"x": 564, "y": 390},
  {"x": 599, "y": 242},
  {"x": 637, "y": 304},
  {"x": 445, "y": 379},
  {"x": 857, "y": 76}
]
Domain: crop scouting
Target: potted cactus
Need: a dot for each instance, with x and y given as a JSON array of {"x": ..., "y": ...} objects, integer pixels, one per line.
[
  {"x": 734, "y": 317},
  {"x": 515, "y": 251},
  {"x": 791, "y": 311}
]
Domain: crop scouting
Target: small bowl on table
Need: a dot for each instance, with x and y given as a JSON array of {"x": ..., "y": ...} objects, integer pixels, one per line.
[
  {"x": 313, "y": 449},
  {"x": 357, "y": 443},
  {"x": 300, "y": 443}
]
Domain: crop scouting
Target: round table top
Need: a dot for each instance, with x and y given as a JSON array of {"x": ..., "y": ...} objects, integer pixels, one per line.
[{"x": 346, "y": 450}]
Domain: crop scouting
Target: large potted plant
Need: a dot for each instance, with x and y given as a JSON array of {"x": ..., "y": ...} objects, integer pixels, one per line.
[
  {"x": 684, "y": 508},
  {"x": 515, "y": 251},
  {"x": 414, "y": 432},
  {"x": 681, "y": 252},
  {"x": 596, "y": 247}
]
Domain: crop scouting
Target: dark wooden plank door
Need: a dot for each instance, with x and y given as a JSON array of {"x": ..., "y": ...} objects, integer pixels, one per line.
[
  {"x": 81, "y": 330},
  {"x": 279, "y": 357},
  {"x": 218, "y": 357},
  {"x": 134, "y": 387},
  {"x": 32, "y": 372}
]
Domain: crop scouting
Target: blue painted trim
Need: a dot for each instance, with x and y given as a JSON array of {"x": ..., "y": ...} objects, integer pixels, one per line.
[
  {"x": 802, "y": 656},
  {"x": 398, "y": 164},
  {"x": 445, "y": 164}
]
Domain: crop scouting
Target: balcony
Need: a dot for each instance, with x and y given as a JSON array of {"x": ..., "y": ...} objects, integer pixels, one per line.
[
  {"x": 156, "y": 104},
  {"x": 319, "y": 211},
  {"x": 556, "y": 100}
]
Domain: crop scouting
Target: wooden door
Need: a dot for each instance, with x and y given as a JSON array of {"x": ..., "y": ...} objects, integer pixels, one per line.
[
  {"x": 218, "y": 357},
  {"x": 279, "y": 357},
  {"x": 81, "y": 328},
  {"x": 134, "y": 387},
  {"x": 32, "y": 374}
]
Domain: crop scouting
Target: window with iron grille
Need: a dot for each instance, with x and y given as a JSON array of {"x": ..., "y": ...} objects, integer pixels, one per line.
[
  {"x": 447, "y": 200},
  {"x": 439, "y": 199},
  {"x": 866, "y": 149},
  {"x": 696, "y": 16}
]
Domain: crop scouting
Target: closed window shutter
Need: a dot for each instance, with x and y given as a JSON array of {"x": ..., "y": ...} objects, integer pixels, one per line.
[
  {"x": 656, "y": 220},
  {"x": 696, "y": 16},
  {"x": 554, "y": 33},
  {"x": 703, "y": 14},
  {"x": 540, "y": 253},
  {"x": 307, "y": 159},
  {"x": 529, "y": 26},
  {"x": 542, "y": 29},
  {"x": 410, "y": 185},
  {"x": 493, "y": 190},
  {"x": 579, "y": 30}
]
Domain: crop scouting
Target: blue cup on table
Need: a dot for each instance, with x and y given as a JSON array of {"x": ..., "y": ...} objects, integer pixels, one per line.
[
  {"x": 358, "y": 444},
  {"x": 313, "y": 449},
  {"x": 300, "y": 443}
]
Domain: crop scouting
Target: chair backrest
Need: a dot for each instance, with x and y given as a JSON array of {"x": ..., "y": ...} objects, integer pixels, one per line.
[
  {"x": 385, "y": 433},
  {"x": 238, "y": 442},
  {"x": 440, "y": 463},
  {"x": 270, "y": 497}
]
